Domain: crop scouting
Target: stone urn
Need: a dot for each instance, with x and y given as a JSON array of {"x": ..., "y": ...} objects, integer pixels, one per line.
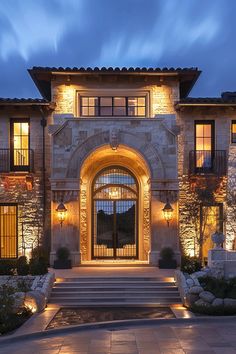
[{"x": 218, "y": 239}]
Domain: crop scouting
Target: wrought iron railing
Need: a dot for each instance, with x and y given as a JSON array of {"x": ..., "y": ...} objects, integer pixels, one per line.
[
  {"x": 16, "y": 160},
  {"x": 208, "y": 162}
]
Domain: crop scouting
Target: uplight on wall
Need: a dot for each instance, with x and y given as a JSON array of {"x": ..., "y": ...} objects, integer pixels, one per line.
[
  {"x": 168, "y": 212},
  {"x": 61, "y": 212}
]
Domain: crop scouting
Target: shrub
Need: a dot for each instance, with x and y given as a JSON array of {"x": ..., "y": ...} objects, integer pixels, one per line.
[
  {"x": 22, "y": 266},
  {"x": 38, "y": 266},
  {"x": 63, "y": 253},
  {"x": 7, "y": 266},
  {"x": 190, "y": 264},
  {"x": 40, "y": 251},
  {"x": 214, "y": 310},
  {"x": 6, "y": 301},
  {"x": 221, "y": 288},
  {"x": 167, "y": 253}
]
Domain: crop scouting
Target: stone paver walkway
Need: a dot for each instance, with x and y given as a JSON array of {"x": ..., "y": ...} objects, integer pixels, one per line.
[{"x": 200, "y": 337}]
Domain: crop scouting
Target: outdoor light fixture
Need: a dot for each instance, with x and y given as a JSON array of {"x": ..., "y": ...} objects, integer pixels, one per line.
[
  {"x": 61, "y": 212},
  {"x": 168, "y": 212}
]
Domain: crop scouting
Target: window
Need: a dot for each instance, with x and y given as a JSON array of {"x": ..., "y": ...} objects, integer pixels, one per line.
[
  {"x": 233, "y": 132},
  {"x": 204, "y": 144},
  {"x": 112, "y": 106},
  {"x": 8, "y": 231},
  {"x": 19, "y": 144}
]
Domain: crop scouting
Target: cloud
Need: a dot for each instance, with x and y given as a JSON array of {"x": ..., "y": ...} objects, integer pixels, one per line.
[
  {"x": 117, "y": 33},
  {"x": 34, "y": 25}
]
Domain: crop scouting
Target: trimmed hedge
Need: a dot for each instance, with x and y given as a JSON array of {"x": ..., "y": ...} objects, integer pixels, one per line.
[
  {"x": 8, "y": 266},
  {"x": 214, "y": 310},
  {"x": 222, "y": 288},
  {"x": 190, "y": 264}
]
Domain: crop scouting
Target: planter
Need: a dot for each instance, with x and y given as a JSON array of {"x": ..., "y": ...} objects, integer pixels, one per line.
[
  {"x": 167, "y": 264},
  {"x": 62, "y": 264}
]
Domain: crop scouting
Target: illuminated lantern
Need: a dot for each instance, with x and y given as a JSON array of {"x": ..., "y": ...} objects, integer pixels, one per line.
[
  {"x": 61, "y": 212},
  {"x": 168, "y": 212}
]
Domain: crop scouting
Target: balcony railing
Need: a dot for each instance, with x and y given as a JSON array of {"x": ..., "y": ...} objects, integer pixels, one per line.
[
  {"x": 16, "y": 160},
  {"x": 207, "y": 162}
]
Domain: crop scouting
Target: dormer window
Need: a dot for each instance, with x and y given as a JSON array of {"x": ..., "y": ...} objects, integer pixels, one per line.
[{"x": 107, "y": 106}]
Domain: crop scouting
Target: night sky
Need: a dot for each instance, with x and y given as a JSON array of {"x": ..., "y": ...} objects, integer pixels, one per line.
[{"x": 158, "y": 33}]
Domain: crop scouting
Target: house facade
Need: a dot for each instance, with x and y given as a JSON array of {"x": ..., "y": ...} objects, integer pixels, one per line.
[{"x": 116, "y": 164}]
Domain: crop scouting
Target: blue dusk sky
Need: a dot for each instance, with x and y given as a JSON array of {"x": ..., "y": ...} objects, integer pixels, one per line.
[{"x": 157, "y": 33}]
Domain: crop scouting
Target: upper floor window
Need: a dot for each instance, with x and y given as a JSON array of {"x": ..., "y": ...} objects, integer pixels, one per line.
[
  {"x": 233, "y": 132},
  {"x": 91, "y": 106},
  {"x": 19, "y": 152},
  {"x": 204, "y": 144}
]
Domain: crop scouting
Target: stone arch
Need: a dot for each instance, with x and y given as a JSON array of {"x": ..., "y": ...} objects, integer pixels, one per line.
[
  {"x": 97, "y": 160},
  {"x": 146, "y": 149}
]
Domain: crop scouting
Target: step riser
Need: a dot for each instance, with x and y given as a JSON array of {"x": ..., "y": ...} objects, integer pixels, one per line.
[
  {"x": 112, "y": 290},
  {"x": 114, "y": 294},
  {"x": 101, "y": 291}
]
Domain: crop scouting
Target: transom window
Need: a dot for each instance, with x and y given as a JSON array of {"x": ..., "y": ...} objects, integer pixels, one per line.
[{"x": 92, "y": 106}]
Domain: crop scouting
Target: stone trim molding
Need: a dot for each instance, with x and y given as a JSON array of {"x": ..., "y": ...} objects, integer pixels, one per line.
[{"x": 145, "y": 149}]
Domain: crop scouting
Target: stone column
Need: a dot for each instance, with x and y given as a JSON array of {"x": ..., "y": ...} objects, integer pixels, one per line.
[
  {"x": 67, "y": 235},
  {"x": 162, "y": 235}
]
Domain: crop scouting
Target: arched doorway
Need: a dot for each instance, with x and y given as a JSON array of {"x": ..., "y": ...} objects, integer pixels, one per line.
[{"x": 114, "y": 214}]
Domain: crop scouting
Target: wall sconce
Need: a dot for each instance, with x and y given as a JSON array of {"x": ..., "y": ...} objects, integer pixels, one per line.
[
  {"x": 168, "y": 212},
  {"x": 61, "y": 212}
]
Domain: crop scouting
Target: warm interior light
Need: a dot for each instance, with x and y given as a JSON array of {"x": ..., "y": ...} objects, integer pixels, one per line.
[
  {"x": 168, "y": 212},
  {"x": 61, "y": 212},
  {"x": 113, "y": 193}
]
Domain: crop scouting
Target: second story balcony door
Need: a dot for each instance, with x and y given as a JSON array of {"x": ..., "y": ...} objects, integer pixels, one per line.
[
  {"x": 19, "y": 150},
  {"x": 204, "y": 146}
]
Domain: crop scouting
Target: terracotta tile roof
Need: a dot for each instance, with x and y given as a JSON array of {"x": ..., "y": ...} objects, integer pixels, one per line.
[
  {"x": 207, "y": 101},
  {"x": 26, "y": 101},
  {"x": 115, "y": 70},
  {"x": 42, "y": 76}
]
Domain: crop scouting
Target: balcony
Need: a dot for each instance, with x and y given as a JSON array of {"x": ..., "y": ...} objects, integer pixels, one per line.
[
  {"x": 207, "y": 162},
  {"x": 16, "y": 160}
]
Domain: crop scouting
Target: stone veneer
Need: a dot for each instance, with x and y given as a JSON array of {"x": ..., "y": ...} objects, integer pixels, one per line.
[{"x": 151, "y": 139}]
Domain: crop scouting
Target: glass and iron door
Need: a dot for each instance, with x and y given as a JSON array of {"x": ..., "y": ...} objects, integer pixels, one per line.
[
  {"x": 115, "y": 215},
  {"x": 19, "y": 154},
  {"x": 204, "y": 146}
]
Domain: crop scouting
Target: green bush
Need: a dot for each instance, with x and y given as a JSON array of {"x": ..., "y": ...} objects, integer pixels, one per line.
[
  {"x": 190, "y": 264},
  {"x": 221, "y": 288},
  {"x": 14, "y": 321},
  {"x": 6, "y": 301},
  {"x": 63, "y": 253},
  {"x": 22, "y": 266},
  {"x": 167, "y": 253},
  {"x": 40, "y": 251},
  {"x": 7, "y": 266},
  {"x": 214, "y": 310},
  {"x": 38, "y": 266}
]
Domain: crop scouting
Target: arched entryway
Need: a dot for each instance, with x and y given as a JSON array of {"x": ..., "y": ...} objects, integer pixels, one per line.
[
  {"x": 114, "y": 214},
  {"x": 131, "y": 164}
]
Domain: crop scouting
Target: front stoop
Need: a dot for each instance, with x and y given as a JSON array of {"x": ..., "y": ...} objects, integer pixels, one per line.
[{"x": 97, "y": 291}]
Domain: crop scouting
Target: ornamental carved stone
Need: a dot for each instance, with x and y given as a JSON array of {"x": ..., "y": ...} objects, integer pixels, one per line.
[{"x": 114, "y": 138}]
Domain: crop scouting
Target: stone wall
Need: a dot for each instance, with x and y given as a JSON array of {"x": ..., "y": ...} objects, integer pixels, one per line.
[
  {"x": 187, "y": 185},
  {"x": 162, "y": 96},
  {"x": 23, "y": 188}
]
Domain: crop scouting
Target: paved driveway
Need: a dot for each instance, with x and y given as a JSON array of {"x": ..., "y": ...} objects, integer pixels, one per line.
[{"x": 196, "y": 338}]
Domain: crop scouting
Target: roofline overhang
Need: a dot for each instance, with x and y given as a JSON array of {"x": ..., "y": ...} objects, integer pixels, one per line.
[
  {"x": 45, "y": 88},
  {"x": 179, "y": 105}
]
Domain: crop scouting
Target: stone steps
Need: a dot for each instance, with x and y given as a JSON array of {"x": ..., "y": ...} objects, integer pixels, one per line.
[{"x": 115, "y": 291}]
